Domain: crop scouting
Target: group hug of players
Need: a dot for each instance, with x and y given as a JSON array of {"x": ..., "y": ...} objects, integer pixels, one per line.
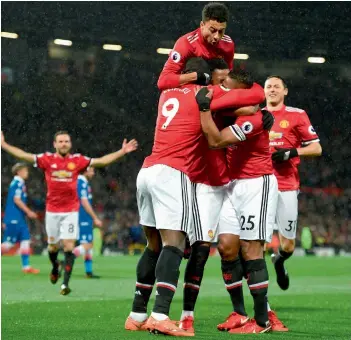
[{"x": 221, "y": 170}]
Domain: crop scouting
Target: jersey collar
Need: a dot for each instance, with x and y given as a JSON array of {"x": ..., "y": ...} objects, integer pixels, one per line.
[
  {"x": 83, "y": 178},
  {"x": 19, "y": 179},
  {"x": 282, "y": 109}
]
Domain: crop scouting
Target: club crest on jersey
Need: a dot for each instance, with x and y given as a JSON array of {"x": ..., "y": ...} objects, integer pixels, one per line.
[
  {"x": 311, "y": 130},
  {"x": 175, "y": 56},
  {"x": 284, "y": 124},
  {"x": 210, "y": 233},
  {"x": 275, "y": 135},
  {"x": 247, "y": 127},
  {"x": 71, "y": 166}
]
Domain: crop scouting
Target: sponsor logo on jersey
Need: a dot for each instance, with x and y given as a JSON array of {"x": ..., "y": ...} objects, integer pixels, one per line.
[
  {"x": 311, "y": 130},
  {"x": 71, "y": 166},
  {"x": 62, "y": 174},
  {"x": 275, "y": 135},
  {"x": 247, "y": 127},
  {"x": 284, "y": 124},
  {"x": 51, "y": 238},
  {"x": 175, "y": 56}
]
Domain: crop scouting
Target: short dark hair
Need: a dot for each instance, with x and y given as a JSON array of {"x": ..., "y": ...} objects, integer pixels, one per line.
[
  {"x": 215, "y": 11},
  {"x": 197, "y": 64},
  {"x": 17, "y": 167},
  {"x": 217, "y": 64},
  {"x": 61, "y": 132},
  {"x": 279, "y": 77},
  {"x": 242, "y": 76}
]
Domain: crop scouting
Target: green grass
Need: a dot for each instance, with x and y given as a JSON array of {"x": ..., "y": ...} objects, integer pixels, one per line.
[{"x": 317, "y": 305}]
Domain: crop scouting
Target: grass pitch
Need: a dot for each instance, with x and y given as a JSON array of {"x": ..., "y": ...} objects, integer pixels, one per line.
[{"x": 316, "y": 306}]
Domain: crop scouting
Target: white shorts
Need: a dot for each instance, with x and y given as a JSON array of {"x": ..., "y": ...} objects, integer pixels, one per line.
[
  {"x": 207, "y": 202},
  {"x": 164, "y": 198},
  {"x": 61, "y": 226},
  {"x": 287, "y": 212},
  {"x": 249, "y": 208}
]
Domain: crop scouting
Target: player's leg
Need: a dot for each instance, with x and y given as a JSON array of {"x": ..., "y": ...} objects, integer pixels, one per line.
[
  {"x": 171, "y": 197},
  {"x": 52, "y": 226},
  {"x": 68, "y": 234},
  {"x": 257, "y": 209},
  {"x": 231, "y": 266},
  {"x": 24, "y": 238},
  {"x": 207, "y": 203},
  {"x": 145, "y": 270},
  {"x": 287, "y": 212},
  {"x": 145, "y": 280},
  {"x": 192, "y": 281}
]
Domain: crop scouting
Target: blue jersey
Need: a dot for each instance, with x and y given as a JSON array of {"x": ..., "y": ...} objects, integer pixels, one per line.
[
  {"x": 13, "y": 214},
  {"x": 84, "y": 191}
]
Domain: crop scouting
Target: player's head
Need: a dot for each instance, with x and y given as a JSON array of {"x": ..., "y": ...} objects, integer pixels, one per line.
[
  {"x": 275, "y": 90},
  {"x": 89, "y": 173},
  {"x": 219, "y": 70},
  {"x": 62, "y": 142},
  {"x": 238, "y": 79},
  {"x": 21, "y": 170},
  {"x": 214, "y": 22},
  {"x": 197, "y": 64}
]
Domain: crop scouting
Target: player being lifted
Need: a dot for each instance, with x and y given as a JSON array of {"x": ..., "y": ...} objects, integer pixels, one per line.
[
  {"x": 291, "y": 137},
  {"x": 62, "y": 204},
  {"x": 87, "y": 219},
  {"x": 16, "y": 228},
  {"x": 208, "y": 41}
]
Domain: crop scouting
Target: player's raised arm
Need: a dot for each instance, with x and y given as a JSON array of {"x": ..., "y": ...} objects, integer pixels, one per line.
[
  {"x": 127, "y": 147},
  {"x": 16, "y": 152}
]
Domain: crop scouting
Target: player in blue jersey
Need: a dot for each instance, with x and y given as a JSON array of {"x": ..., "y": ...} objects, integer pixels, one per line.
[
  {"x": 16, "y": 229},
  {"x": 87, "y": 219}
]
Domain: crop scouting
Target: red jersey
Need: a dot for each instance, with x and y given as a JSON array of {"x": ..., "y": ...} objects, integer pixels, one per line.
[
  {"x": 292, "y": 129},
  {"x": 179, "y": 142},
  {"x": 193, "y": 45},
  {"x": 61, "y": 174},
  {"x": 251, "y": 157},
  {"x": 216, "y": 161}
]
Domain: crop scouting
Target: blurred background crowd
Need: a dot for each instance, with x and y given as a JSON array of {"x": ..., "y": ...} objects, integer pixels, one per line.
[{"x": 102, "y": 96}]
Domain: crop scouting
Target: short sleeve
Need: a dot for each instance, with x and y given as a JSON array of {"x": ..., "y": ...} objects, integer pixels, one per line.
[
  {"x": 19, "y": 190},
  {"x": 307, "y": 134},
  {"x": 83, "y": 162},
  {"x": 82, "y": 189},
  {"x": 42, "y": 161},
  {"x": 246, "y": 127}
]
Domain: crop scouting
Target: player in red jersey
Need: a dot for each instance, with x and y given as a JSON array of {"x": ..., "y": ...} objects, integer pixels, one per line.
[
  {"x": 210, "y": 198},
  {"x": 62, "y": 204},
  {"x": 166, "y": 187},
  {"x": 292, "y": 136},
  {"x": 208, "y": 42},
  {"x": 248, "y": 213}
]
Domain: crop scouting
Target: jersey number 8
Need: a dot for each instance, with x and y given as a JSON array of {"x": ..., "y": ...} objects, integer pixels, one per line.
[{"x": 169, "y": 110}]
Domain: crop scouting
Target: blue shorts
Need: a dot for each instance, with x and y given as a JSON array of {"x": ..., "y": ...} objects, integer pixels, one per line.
[
  {"x": 85, "y": 232},
  {"x": 16, "y": 232}
]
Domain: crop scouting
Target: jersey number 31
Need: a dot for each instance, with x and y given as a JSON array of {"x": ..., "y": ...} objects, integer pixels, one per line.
[{"x": 169, "y": 110}]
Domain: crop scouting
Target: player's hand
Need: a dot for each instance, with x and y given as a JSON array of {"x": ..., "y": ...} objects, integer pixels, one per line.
[
  {"x": 130, "y": 146},
  {"x": 267, "y": 119},
  {"x": 282, "y": 155},
  {"x": 32, "y": 215},
  {"x": 97, "y": 222},
  {"x": 203, "y": 98},
  {"x": 203, "y": 78}
]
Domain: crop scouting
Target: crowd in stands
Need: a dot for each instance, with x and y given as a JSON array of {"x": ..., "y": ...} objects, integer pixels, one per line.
[{"x": 123, "y": 104}]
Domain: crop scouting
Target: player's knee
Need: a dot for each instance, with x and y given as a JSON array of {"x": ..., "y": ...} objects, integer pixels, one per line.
[
  {"x": 287, "y": 245},
  {"x": 251, "y": 250},
  {"x": 5, "y": 247},
  {"x": 25, "y": 247},
  {"x": 53, "y": 248},
  {"x": 153, "y": 238},
  {"x": 174, "y": 239},
  {"x": 68, "y": 245},
  {"x": 228, "y": 248}
]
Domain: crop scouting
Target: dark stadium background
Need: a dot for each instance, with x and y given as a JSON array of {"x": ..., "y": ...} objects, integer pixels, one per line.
[{"x": 102, "y": 96}]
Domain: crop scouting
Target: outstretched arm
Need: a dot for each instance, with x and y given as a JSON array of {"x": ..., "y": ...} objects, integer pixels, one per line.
[
  {"x": 114, "y": 156},
  {"x": 16, "y": 152}
]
